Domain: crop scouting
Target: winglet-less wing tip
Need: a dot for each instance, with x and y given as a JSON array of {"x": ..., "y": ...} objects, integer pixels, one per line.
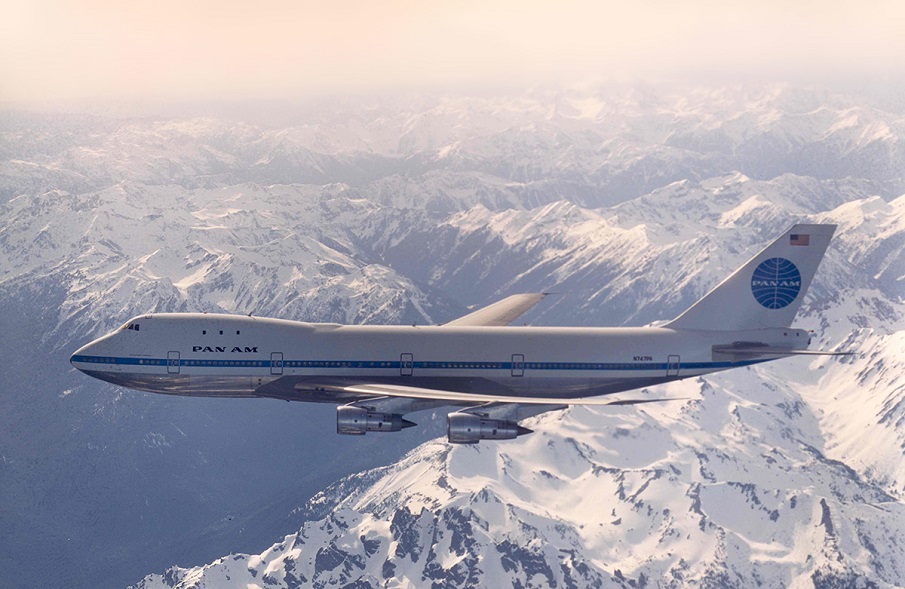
[{"x": 500, "y": 313}]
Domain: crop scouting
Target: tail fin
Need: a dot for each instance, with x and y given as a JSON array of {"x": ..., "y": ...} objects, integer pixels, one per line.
[{"x": 768, "y": 290}]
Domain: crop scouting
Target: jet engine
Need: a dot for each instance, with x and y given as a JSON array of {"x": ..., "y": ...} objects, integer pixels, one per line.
[
  {"x": 356, "y": 421},
  {"x": 468, "y": 428}
]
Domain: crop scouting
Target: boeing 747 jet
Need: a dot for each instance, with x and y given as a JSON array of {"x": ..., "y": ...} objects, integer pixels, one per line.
[{"x": 494, "y": 374}]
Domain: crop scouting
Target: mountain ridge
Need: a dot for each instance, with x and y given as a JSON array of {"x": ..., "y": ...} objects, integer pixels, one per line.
[{"x": 630, "y": 204}]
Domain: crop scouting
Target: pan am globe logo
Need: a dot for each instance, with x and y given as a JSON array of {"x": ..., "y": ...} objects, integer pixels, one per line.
[{"x": 775, "y": 283}]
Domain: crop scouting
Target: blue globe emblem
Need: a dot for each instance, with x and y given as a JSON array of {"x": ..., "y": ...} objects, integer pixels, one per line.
[{"x": 775, "y": 283}]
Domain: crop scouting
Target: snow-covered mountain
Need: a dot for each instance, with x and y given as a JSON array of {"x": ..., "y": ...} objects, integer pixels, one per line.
[
  {"x": 629, "y": 204},
  {"x": 592, "y": 147},
  {"x": 790, "y": 474},
  {"x": 731, "y": 489}
]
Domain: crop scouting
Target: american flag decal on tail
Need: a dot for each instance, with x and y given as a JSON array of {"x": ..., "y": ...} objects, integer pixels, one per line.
[{"x": 799, "y": 239}]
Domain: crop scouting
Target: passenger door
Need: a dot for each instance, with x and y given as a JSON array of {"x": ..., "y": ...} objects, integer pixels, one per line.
[
  {"x": 276, "y": 363},
  {"x": 672, "y": 366},
  {"x": 406, "y": 364},
  {"x": 518, "y": 365}
]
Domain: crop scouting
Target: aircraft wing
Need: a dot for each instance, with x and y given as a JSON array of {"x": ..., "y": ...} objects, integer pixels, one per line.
[
  {"x": 385, "y": 390},
  {"x": 499, "y": 313},
  {"x": 406, "y": 399}
]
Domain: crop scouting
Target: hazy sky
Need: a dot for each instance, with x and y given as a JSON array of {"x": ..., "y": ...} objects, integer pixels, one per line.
[{"x": 191, "y": 49}]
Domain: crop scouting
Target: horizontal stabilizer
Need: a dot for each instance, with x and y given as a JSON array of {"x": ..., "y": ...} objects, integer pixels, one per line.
[
  {"x": 744, "y": 352},
  {"x": 642, "y": 401}
]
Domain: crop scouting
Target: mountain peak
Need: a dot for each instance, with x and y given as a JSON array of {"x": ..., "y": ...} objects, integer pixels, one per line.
[{"x": 590, "y": 491}]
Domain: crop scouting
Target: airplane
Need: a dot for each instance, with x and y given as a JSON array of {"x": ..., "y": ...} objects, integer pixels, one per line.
[{"x": 493, "y": 373}]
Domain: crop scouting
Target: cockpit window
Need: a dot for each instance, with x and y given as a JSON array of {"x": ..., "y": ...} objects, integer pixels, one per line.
[{"x": 131, "y": 327}]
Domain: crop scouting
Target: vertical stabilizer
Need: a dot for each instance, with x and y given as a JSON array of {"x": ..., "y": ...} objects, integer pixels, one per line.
[{"x": 768, "y": 290}]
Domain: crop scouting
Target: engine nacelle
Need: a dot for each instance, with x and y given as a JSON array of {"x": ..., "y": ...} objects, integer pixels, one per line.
[
  {"x": 468, "y": 428},
  {"x": 357, "y": 421}
]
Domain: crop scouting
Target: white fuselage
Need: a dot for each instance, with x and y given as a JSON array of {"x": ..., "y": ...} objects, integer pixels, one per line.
[{"x": 237, "y": 356}]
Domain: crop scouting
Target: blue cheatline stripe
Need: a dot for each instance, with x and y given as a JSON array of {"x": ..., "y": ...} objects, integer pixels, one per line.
[
  {"x": 397, "y": 365},
  {"x": 116, "y": 360}
]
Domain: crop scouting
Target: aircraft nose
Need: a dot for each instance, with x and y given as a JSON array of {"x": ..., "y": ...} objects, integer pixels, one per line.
[
  {"x": 86, "y": 357},
  {"x": 79, "y": 356}
]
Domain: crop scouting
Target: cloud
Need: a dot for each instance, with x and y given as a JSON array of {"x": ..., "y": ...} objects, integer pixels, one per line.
[{"x": 204, "y": 49}]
